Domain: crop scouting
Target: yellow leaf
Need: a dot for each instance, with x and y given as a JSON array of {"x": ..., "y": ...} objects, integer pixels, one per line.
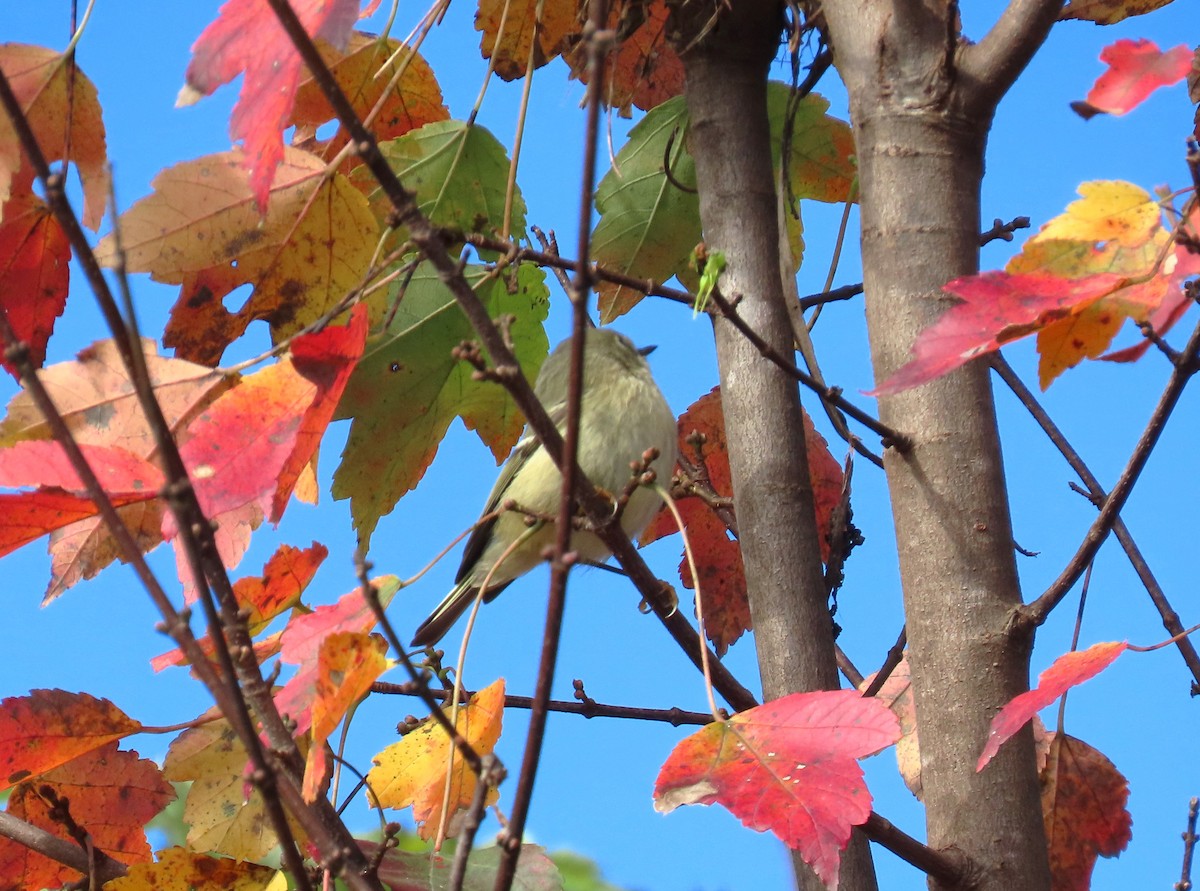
[
  {"x": 413, "y": 771},
  {"x": 1109, "y": 211},
  {"x": 180, "y": 870}
]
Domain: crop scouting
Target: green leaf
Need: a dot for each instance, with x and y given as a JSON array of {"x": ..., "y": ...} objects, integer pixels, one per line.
[
  {"x": 408, "y": 388},
  {"x": 459, "y": 173},
  {"x": 648, "y": 225}
]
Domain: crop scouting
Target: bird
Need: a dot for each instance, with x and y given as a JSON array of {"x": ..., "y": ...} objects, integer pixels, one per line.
[{"x": 622, "y": 415}]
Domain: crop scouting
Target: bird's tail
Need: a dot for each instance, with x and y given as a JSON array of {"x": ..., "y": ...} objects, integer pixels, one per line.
[{"x": 450, "y": 610}]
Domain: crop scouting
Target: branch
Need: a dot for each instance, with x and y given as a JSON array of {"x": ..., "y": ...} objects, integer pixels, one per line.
[
  {"x": 833, "y": 395},
  {"x": 61, "y": 850},
  {"x": 1189, "y": 847},
  {"x": 1036, "y": 612},
  {"x": 563, "y": 558},
  {"x": 1096, "y": 494},
  {"x": 994, "y": 63},
  {"x": 586, "y": 707}
]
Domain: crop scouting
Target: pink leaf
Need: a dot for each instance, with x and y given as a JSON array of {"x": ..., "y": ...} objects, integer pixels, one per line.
[
  {"x": 1067, "y": 671},
  {"x": 1136, "y": 68}
]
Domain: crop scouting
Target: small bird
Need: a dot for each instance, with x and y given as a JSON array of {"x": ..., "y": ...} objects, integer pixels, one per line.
[{"x": 622, "y": 414}]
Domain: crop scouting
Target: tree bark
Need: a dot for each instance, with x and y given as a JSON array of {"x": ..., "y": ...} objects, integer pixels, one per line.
[
  {"x": 921, "y": 127},
  {"x": 729, "y": 140}
]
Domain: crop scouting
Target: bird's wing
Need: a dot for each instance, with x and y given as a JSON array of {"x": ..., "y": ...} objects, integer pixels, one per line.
[{"x": 525, "y": 449}]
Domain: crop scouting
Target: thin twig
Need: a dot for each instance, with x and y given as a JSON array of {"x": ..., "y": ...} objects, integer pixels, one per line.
[
  {"x": 894, "y": 657},
  {"x": 563, "y": 558},
  {"x": 1096, "y": 494},
  {"x": 1036, "y": 612},
  {"x": 587, "y": 708},
  {"x": 1189, "y": 847}
]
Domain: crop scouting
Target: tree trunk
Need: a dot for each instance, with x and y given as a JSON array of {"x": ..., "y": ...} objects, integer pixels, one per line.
[
  {"x": 921, "y": 125},
  {"x": 729, "y": 139}
]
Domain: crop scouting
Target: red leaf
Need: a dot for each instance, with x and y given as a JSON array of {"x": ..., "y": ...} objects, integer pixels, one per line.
[
  {"x": 34, "y": 254},
  {"x": 27, "y": 516},
  {"x": 788, "y": 766},
  {"x": 45, "y": 463},
  {"x": 326, "y": 359},
  {"x": 1067, "y": 671},
  {"x": 47, "y": 728},
  {"x": 246, "y": 38},
  {"x": 1136, "y": 68},
  {"x": 997, "y": 308},
  {"x": 1083, "y": 807}
]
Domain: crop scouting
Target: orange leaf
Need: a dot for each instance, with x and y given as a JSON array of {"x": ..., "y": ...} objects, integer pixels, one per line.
[
  {"x": 246, "y": 38},
  {"x": 110, "y": 793},
  {"x": 327, "y": 359},
  {"x": 413, "y": 771},
  {"x": 38, "y": 77},
  {"x": 1083, "y": 807},
  {"x": 33, "y": 272},
  {"x": 509, "y": 49},
  {"x": 100, "y": 407},
  {"x": 1136, "y": 68},
  {"x": 788, "y": 766},
  {"x": 264, "y": 597},
  {"x": 347, "y": 665},
  {"x": 200, "y": 228},
  {"x": 644, "y": 70},
  {"x": 1066, "y": 671},
  {"x": 48, "y": 728},
  {"x": 415, "y": 101},
  {"x": 27, "y": 516}
]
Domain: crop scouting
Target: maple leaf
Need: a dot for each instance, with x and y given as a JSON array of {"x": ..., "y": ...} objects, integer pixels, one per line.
[
  {"x": 55, "y": 105},
  {"x": 509, "y": 29},
  {"x": 100, "y": 407},
  {"x": 59, "y": 502},
  {"x": 48, "y": 728},
  {"x": 246, "y": 38},
  {"x": 644, "y": 70},
  {"x": 718, "y": 558},
  {"x": 34, "y": 254},
  {"x": 409, "y": 387},
  {"x": 112, "y": 794},
  {"x": 1083, "y": 807},
  {"x": 649, "y": 225},
  {"x": 339, "y": 660},
  {"x": 244, "y": 451},
  {"x": 264, "y": 597},
  {"x": 347, "y": 665},
  {"x": 178, "y": 869},
  {"x": 1066, "y": 671},
  {"x": 414, "y": 770},
  {"x": 416, "y": 99},
  {"x": 1108, "y": 211},
  {"x": 458, "y": 174},
  {"x": 996, "y": 309},
  {"x": 788, "y": 766},
  {"x": 1136, "y": 68},
  {"x": 1109, "y": 12},
  {"x": 200, "y": 229},
  {"x": 224, "y": 812}
]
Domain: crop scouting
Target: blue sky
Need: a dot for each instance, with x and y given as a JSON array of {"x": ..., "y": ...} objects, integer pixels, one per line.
[{"x": 593, "y": 793}]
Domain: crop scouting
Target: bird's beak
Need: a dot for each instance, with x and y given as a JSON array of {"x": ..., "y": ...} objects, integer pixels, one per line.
[{"x": 646, "y": 351}]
